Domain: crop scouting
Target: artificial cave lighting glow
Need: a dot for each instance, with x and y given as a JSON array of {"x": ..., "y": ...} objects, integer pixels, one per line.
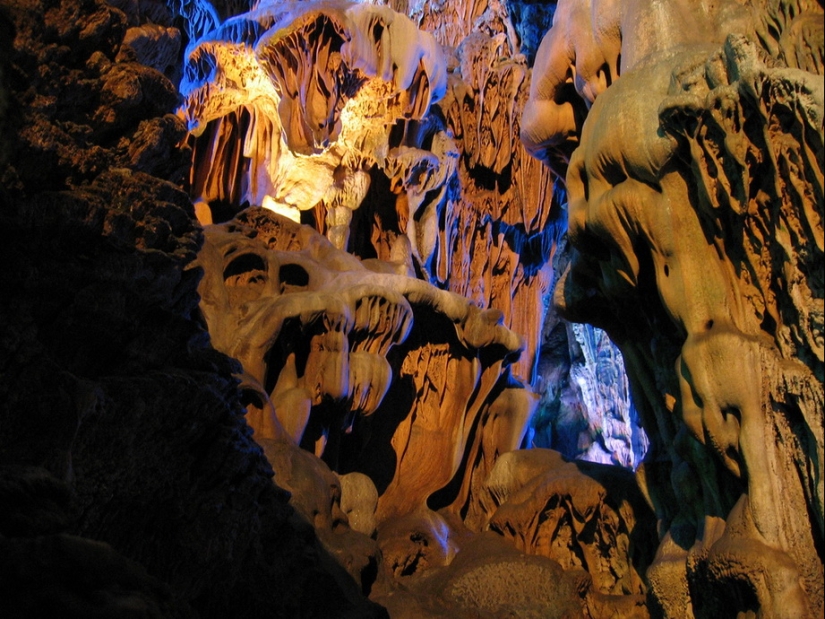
[{"x": 282, "y": 209}]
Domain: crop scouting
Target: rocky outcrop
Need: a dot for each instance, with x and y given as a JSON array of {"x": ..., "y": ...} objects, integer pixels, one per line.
[
  {"x": 130, "y": 480},
  {"x": 409, "y": 165},
  {"x": 593, "y": 517},
  {"x": 407, "y": 384},
  {"x": 695, "y": 188},
  {"x": 347, "y": 362},
  {"x": 271, "y": 87},
  {"x": 554, "y": 529},
  {"x": 367, "y": 363},
  {"x": 377, "y": 356}
]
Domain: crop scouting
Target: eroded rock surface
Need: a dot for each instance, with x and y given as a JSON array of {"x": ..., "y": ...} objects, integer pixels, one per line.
[
  {"x": 391, "y": 145},
  {"x": 593, "y": 517},
  {"x": 130, "y": 481},
  {"x": 443, "y": 191},
  {"x": 292, "y": 103},
  {"x": 428, "y": 450},
  {"x": 695, "y": 216},
  {"x": 329, "y": 347},
  {"x": 498, "y": 233},
  {"x": 696, "y": 200}
]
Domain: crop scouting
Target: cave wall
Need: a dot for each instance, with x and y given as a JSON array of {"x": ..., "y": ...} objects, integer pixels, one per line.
[
  {"x": 421, "y": 167},
  {"x": 131, "y": 477},
  {"x": 374, "y": 361},
  {"x": 444, "y": 191},
  {"x": 692, "y": 150},
  {"x": 298, "y": 108},
  {"x": 130, "y": 480}
]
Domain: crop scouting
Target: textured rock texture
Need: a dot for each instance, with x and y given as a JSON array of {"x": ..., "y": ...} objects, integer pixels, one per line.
[
  {"x": 271, "y": 86},
  {"x": 376, "y": 365},
  {"x": 593, "y": 516},
  {"x": 354, "y": 303},
  {"x": 396, "y": 143},
  {"x": 692, "y": 147},
  {"x": 314, "y": 328},
  {"x": 130, "y": 481}
]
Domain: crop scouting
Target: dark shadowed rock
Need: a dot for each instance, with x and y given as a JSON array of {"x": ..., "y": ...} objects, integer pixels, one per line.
[{"x": 131, "y": 484}]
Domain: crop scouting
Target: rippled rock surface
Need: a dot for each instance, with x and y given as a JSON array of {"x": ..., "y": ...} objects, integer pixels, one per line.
[{"x": 692, "y": 146}]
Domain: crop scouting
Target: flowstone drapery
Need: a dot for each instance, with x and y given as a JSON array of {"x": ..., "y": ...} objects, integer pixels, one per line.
[
  {"x": 391, "y": 141},
  {"x": 114, "y": 399},
  {"x": 330, "y": 348},
  {"x": 696, "y": 197},
  {"x": 291, "y": 104},
  {"x": 691, "y": 139},
  {"x": 376, "y": 365}
]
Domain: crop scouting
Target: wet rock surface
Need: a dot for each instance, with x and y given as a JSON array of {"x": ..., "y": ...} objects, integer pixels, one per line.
[{"x": 678, "y": 218}]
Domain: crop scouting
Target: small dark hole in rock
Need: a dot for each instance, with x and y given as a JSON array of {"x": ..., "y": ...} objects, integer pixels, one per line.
[
  {"x": 244, "y": 264},
  {"x": 293, "y": 275}
]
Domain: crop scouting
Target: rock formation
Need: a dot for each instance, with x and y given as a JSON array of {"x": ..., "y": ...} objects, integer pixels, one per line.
[
  {"x": 129, "y": 480},
  {"x": 419, "y": 165},
  {"x": 273, "y": 338},
  {"x": 387, "y": 375},
  {"x": 444, "y": 191},
  {"x": 328, "y": 347},
  {"x": 287, "y": 80},
  {"x": 692, "y": 148},
  {"x": 126, "y": 453}
]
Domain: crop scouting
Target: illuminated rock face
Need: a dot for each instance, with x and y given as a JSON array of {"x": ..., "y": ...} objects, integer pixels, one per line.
[
  {"x": 292, "y": 104},
  {"x": 343, "y": 117},
  {"x": 373, "y": 370},
  {"x": 696, "y": 214},
  {"x": 351, "y": 118},
  {"x": 593, "y": 517},
  {"x": 498, "y": 232},
  {"x": 696, "y": 197},
  {"x": 395, "y": 377},
  {"x": 333, "y": 353}
]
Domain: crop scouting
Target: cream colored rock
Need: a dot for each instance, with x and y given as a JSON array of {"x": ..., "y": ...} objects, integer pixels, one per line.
[
  {"x": 593, "y": 516},
  {"x": 417, "y": 542},
  {"x": 290, "y": 106},
  {"x": 317, "y": 496},
  {"x": 326, "y": 343},
  {"x": 452, "y": 22},
  {"x": 321, "y": 109},
  {"x": 263, "y": 272},
  {"x": 359, "y": 498},
  {"x": 596, "y": 41}
]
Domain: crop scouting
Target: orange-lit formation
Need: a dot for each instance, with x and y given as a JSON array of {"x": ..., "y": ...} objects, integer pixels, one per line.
[
  {"x": 691, "y": 140},
  {"x": 288, "y": 299}
]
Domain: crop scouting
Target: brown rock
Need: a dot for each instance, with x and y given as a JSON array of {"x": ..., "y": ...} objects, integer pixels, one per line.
[{"x": 676, "y": 191}]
